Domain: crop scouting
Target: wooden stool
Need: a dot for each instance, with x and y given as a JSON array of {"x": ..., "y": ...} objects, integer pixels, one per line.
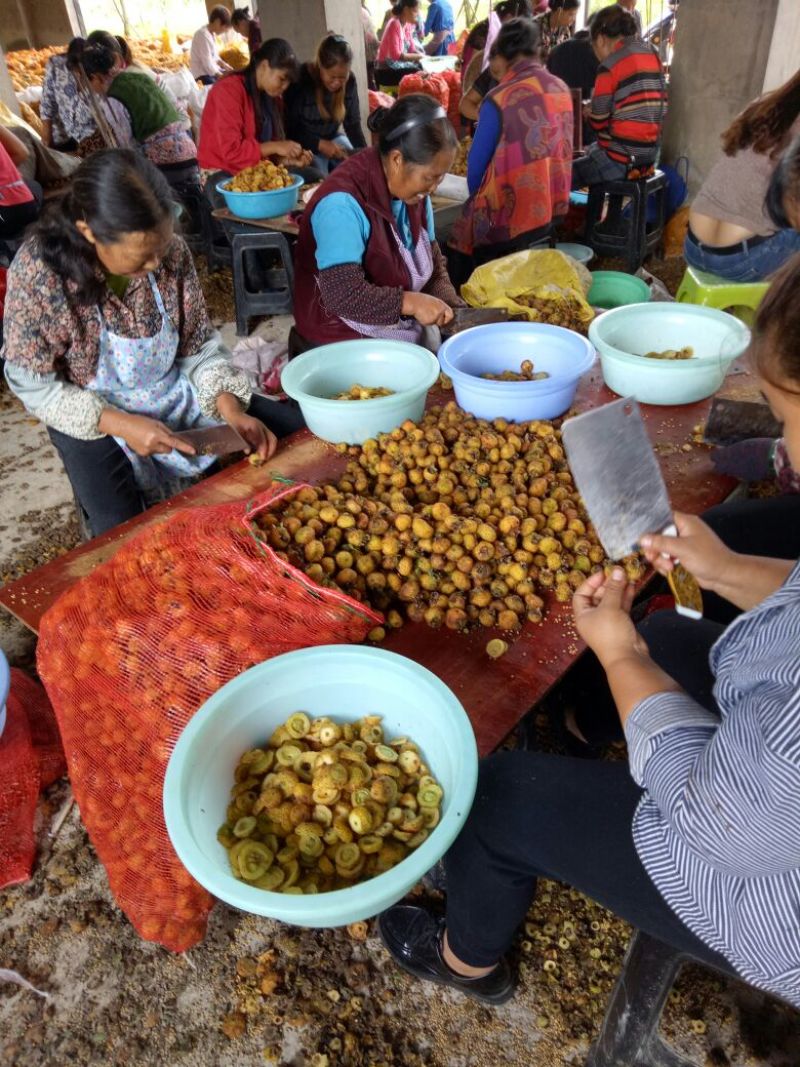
[
  {"x": 625, "y": 231},
  {"x": 629, "y": 1036},
  {"x": 709, "y": 290}
]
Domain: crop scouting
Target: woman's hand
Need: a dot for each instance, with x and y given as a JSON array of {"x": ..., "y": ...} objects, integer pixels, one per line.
[
  {"x": 285, "y": 149},
  {"x": 143, "y": 435},
  {"x": 601, "y": 608},
  {"x": 258, "y": 438},
  {"x": 698, "y": 548},
  {"x": 427, "y": 310},
  {"x": 304, "y": 159},
  {"x": 332, "y": 150}
]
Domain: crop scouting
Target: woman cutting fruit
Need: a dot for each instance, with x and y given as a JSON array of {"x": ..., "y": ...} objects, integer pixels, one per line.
[
  {"x": 242, "y": 119},
  {"x": 368, "y": 264},
  {"x": 697, "y": 842},
  {"x": 108, "y": 342}
]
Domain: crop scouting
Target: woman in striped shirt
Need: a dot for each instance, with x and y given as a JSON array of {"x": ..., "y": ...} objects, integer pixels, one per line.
[
  {"x": 698, "y": 841},
  {"x": 629, "y": 102}
]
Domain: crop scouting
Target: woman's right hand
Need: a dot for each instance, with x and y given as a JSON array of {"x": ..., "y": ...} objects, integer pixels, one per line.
[
  {"x": 331, "y": 150},
  {"x": 427, "y": 310},
  {"x": 145, "y": 436},
  {"x": 697, "y": 547},
  {"x": 286, "y": 149}
]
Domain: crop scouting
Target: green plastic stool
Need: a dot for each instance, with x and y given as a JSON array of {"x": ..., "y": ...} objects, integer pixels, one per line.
[{"x": 709, "y": 290}]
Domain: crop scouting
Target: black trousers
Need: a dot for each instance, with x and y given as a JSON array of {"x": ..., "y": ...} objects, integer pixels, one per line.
[
  {"x": 101, "y": 474},
  {"x": 15, "y": 218},
  {"x": 537, "y": 815},
  {"x": 543, "y": 816}
]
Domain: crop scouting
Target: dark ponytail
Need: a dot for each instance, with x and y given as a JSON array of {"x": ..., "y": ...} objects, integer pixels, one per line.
[
  {"x": 519, "y": 37},
  {"x": 613, "y": 21},
  {"x": 279, "y": 54},
  {"x": 97, "y": 59},
  {"x": 783, "y": 194},
  {"x": 417, "y": 125},
  {"x": 116, "y": 191}
]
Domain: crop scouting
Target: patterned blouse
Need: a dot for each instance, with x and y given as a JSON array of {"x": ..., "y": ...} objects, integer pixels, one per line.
[
  {"x": 52, "y": 343},
  {"x": 551, "y": 36},
  {"x": 67, "y": 108}
]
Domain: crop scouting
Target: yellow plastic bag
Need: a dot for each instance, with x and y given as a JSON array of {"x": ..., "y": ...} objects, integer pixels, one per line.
[{"x": 544, "y": 277}]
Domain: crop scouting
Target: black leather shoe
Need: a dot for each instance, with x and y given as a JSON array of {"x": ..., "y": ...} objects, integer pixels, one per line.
[{"x": 413, "y": 938}]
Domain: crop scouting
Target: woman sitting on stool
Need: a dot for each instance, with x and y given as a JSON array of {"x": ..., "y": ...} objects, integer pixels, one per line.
[
  {"x": 518, "y": 170},
  {"x": 367, "y": 261},
  {"x": 322, "y": 101},
  {"x": 628, "y": 105},
  {"x": 108, "y": 342},
  {"x": 730, "y": 232},
  {"x": 696, "y": 842}
]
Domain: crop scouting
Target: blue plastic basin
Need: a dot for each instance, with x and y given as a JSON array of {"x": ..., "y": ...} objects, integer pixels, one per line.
[
  {"x": 344, "y": 682},
  {"x": 564, "y": 354},
  {"x": 5, "y": 685},
  {"x": 264, "y": 205},
  {"x": 316, "y": 376}
]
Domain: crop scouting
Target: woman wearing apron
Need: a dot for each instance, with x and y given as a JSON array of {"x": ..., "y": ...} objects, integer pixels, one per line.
[
  {"x": 368, "y": 264},
  {"x": 108, "y": 342}
]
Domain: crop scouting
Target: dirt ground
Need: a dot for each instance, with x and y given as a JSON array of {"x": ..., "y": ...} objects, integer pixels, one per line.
[{"x": 256, "y": 991}]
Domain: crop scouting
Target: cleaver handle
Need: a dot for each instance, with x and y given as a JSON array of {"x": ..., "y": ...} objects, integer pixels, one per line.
[{"x": 683, "y": 584}]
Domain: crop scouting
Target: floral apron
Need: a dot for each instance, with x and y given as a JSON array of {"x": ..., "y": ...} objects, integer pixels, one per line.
[
  {"x": 419, "y": 262},
  {"x": 139, "y": 375}
]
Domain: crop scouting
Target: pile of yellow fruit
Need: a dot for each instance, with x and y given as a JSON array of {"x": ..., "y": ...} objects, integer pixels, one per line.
[
  {"x": 261, "y": 178},
  {"x": 454, "y": 521},
  {"x": 26, "y": 66}
]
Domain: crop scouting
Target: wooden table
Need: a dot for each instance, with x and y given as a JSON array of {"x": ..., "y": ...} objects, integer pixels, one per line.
[
  {"x": 496, "y": 693},
  {"x": 444, "y": 212}
]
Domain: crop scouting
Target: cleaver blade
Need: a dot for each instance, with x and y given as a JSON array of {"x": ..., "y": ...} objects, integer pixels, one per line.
[
  {"x": 213, "y": 440},
  {"x": 617, "y": 474}
]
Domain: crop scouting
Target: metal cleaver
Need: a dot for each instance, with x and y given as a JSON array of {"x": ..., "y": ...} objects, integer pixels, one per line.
[
  {"x": 466, "y": 318},
  {"x": 213, "y": 440},
  {"x": 731, "y": 421},
  {"x": 618, "y": 476}
]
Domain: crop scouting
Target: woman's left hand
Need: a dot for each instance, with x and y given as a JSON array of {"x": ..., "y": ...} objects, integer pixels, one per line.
[
  {"x": 601, "y": 607},
  {"x": 259, "y": 439}
]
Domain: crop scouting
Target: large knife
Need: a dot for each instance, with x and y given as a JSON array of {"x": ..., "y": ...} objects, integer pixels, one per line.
[
  {"x": 618, "y": 476},
  {"x": 213, "y": 440}
]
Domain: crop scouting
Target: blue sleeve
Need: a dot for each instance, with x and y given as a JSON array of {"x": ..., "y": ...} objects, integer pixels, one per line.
[
  {"x": 487, "y": 135},
  {"x": 435, "y": 20},
  {"x": 341, "y": 230}
]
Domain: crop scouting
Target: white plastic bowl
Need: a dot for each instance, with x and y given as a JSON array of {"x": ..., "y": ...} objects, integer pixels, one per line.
[
  {"x": 344, "y": 682},
  {"x": 624, "y": 334},
  {"x": 564, "y": 354},
  {"x": 313, "y": 378}
]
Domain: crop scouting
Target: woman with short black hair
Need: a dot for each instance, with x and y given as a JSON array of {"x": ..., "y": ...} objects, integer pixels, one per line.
[
  {"x": 556, "y": 25},
  {"x": 368, "y": 264},
  {"x": 108, "y": 342}
]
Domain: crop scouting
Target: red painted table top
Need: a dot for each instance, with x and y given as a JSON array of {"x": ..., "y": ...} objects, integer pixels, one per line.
[{"x": 496, "y": 693}]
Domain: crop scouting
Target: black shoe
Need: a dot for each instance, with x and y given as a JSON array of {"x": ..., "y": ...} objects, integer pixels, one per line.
[{"x": 413, "y": 938}]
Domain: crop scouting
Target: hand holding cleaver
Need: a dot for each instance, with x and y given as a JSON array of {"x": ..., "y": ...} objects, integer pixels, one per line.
[{"x": 618, "y": 476}]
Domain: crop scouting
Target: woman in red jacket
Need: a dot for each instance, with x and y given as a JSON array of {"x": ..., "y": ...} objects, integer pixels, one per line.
[{"x": 243, "y": 122}]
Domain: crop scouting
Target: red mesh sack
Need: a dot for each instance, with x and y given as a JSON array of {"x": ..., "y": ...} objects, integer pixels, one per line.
[
  {"x": 432, "y": 84},
  {"x": 31, "y": 758},
  {"x": 128, "y": 655},
  {"x": 453, "y": 79}
]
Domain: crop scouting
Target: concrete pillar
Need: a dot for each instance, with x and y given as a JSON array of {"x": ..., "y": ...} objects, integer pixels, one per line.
[
  {"x": 305, "y": 24},
  {"x": 7, "y": 94},
  {"x": 37, "y": 23},
  {"x": 727, "y": 53}
]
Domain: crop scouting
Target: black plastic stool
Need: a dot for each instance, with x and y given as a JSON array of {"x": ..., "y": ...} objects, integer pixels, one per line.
[
  {"x": 629, "y": 1036},
  {"x": 276, "y": 300},
  {"x": 626, "y": 233}
]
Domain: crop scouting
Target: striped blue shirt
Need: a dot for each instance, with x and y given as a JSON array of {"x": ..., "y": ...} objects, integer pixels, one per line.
[{"x": 718, "y": 827}]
